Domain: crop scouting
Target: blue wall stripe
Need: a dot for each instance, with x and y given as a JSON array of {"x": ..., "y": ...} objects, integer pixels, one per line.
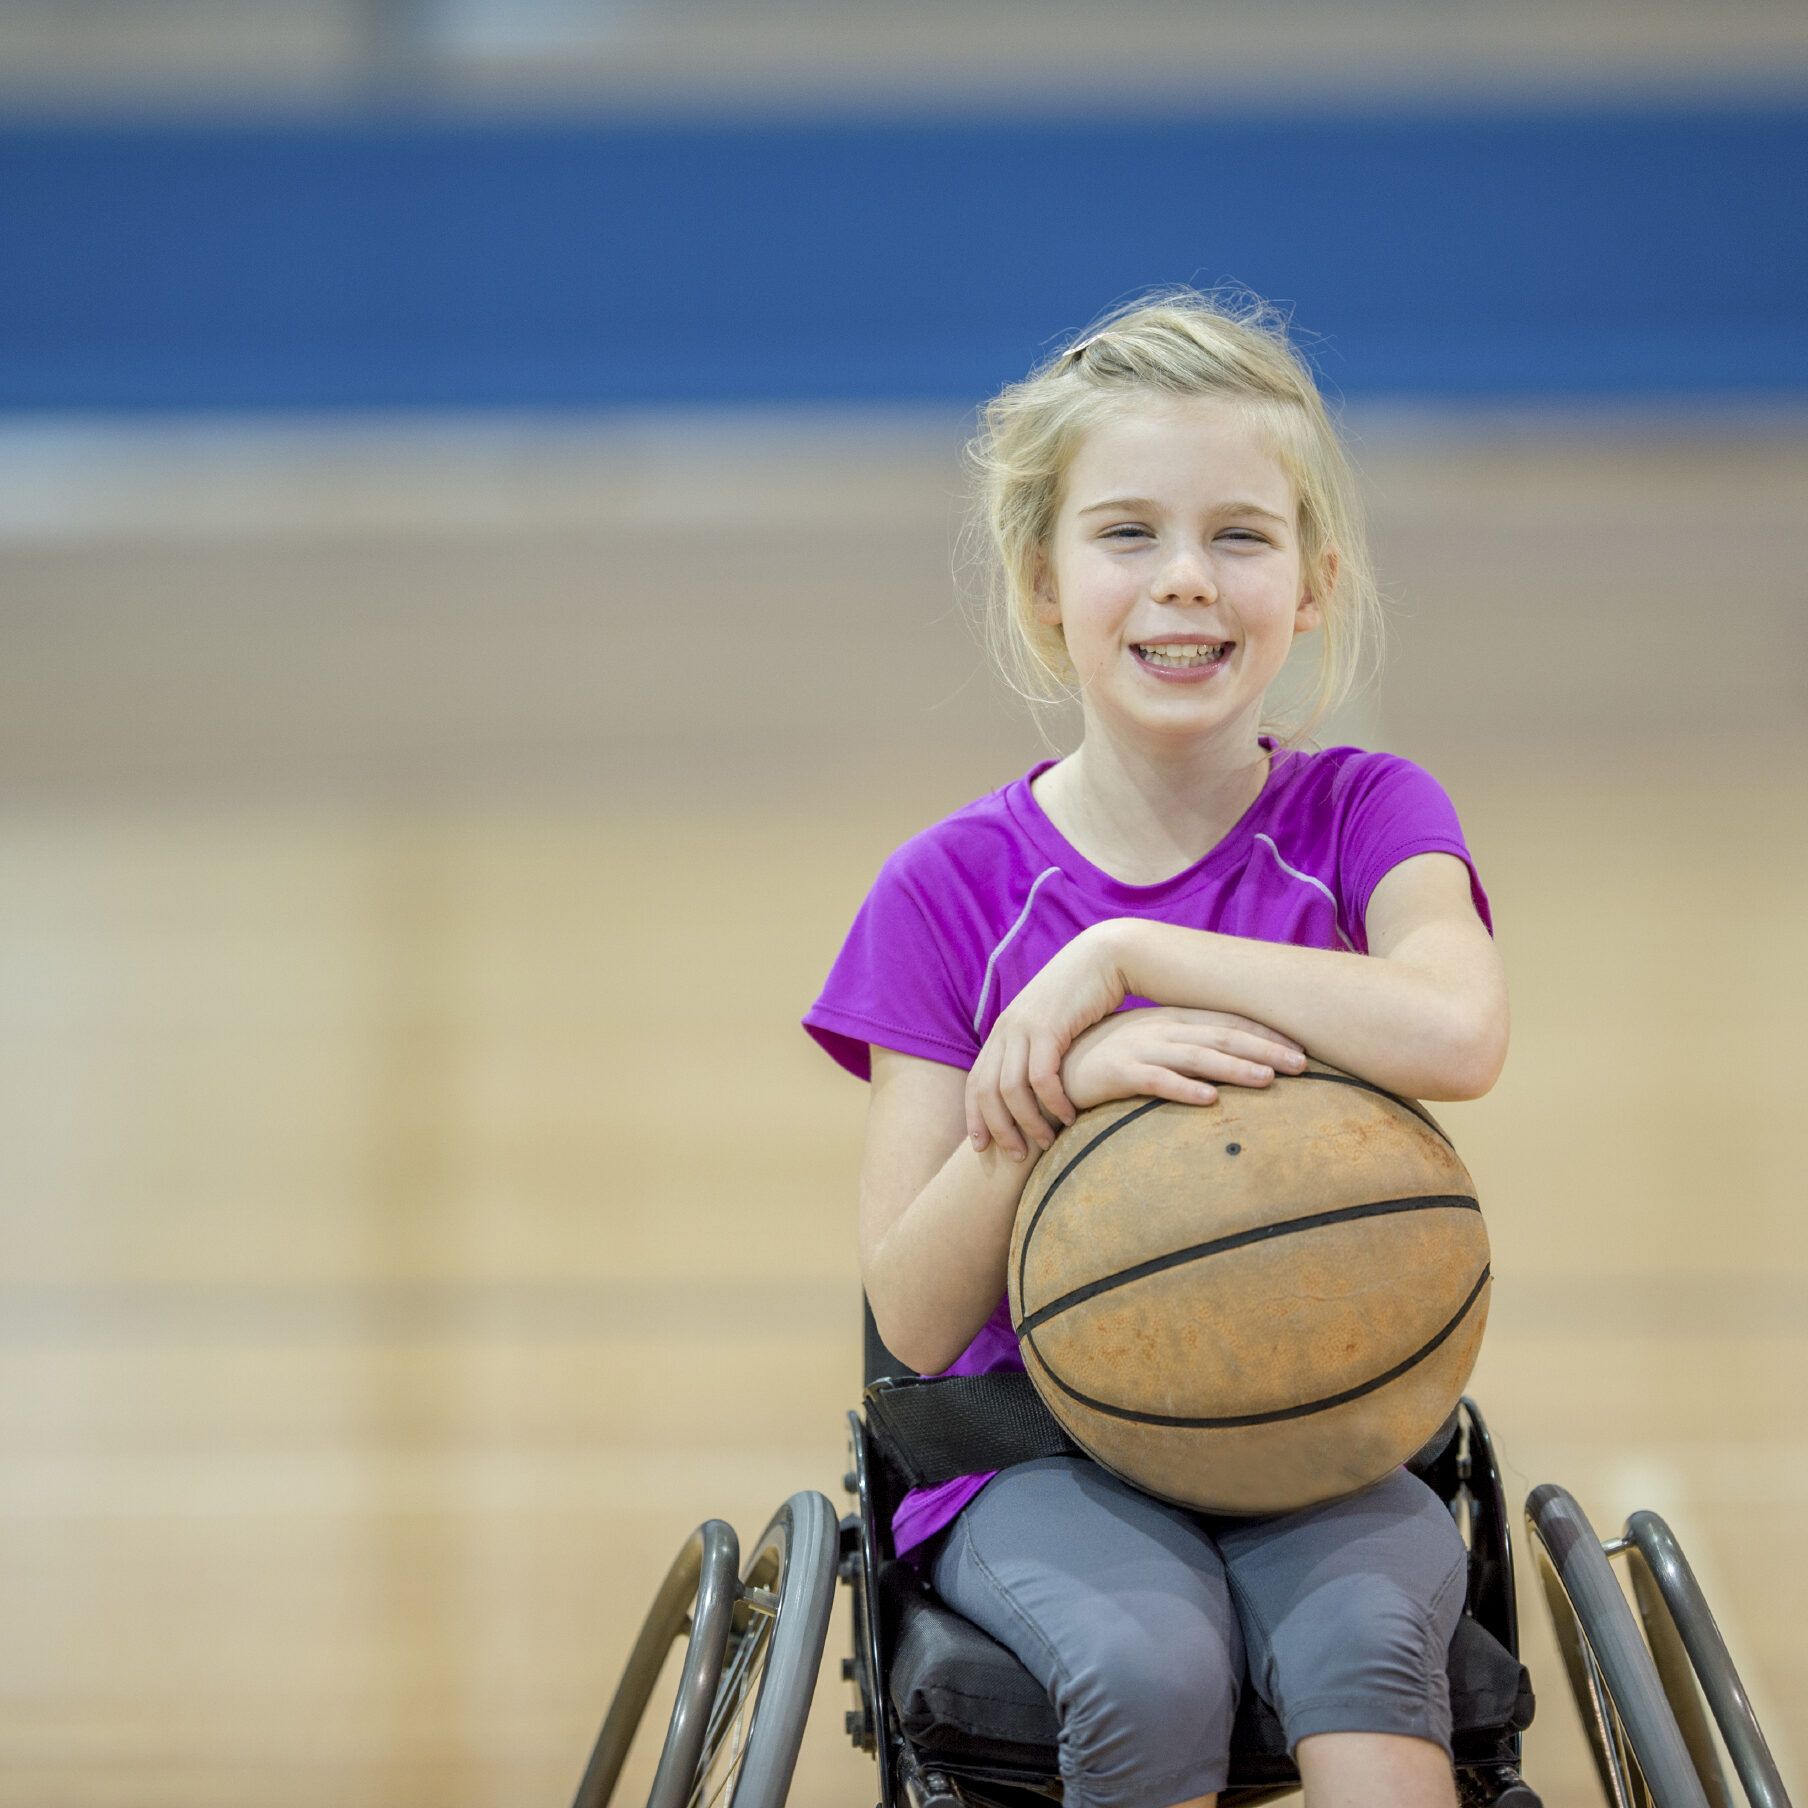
[{"x": 363, "y": 263}]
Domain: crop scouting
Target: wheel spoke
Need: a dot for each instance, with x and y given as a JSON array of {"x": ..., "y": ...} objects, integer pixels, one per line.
[
  {"x": 731, "y": 1692},
  {"x": 735, "y": 1699}
]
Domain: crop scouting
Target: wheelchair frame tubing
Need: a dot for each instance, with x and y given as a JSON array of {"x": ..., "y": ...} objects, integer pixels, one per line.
[
  {"x": 704, "y": 1572},
  {"x": 885, "y": 1744},
  {"x": 1610, "y": 1641},
  {"x": 1479, "y": 1472},
  {"x": 1674, "y": 1608}
]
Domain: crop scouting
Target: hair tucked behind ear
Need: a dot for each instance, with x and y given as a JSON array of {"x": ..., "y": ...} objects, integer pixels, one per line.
[{"x": 1174, "y": 343}]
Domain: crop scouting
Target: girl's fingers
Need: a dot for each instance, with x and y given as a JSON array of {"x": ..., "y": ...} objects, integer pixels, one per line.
[
  {"x": 1004, "y": 1106},
  {"x": 1263, "y": 1033},
  {"x": 979, "y": 1132},
  {"x": 1020, "y": 1099},
  {"x": 1002, "y": 1125},
  {"x": 1165, "y": 1083},
  {"x": 1228, "y": 1022},
  {"x": 1045, "y": 1082},
  {"x": 1249, "y": 1073},
  {"x": 1240, "y": 1045},
  {"x": 996, "y": 1102},
  {"x": 1027, "y": 1122},
  {"x": 989, "y": 1119},
  {"x": 981, "y": 1077},
  {"x": 1226, "y": 1071},
  {"x": 1205, "y": 1063}
]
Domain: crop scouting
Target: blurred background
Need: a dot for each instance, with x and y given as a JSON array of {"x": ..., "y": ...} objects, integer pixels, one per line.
[{"x": 479, "y": 504}]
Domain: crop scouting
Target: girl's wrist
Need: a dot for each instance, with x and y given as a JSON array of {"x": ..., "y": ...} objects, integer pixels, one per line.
[
  {"x": 1158, "y": 961},
  {"x": 1123, "y": 945}
]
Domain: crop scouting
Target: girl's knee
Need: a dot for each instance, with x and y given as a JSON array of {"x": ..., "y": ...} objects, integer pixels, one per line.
[
  {"x": 1145, "y": 1724},
  {"x": 1367, "y": 1656}
]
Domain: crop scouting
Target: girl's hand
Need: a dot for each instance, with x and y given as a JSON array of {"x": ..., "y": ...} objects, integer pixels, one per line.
[
  {"x": 1171, "y": 1052},
  {"x": 1014, "y": 1093}
]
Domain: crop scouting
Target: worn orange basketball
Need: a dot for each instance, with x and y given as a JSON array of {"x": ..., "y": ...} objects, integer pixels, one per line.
[{"x": 1251, "y": 1306}]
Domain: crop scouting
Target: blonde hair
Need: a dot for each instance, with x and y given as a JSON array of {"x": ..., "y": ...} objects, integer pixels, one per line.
[{"x": 1173, "y": 343}]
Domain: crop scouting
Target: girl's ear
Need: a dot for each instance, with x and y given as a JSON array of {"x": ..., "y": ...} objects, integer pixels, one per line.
[
  {"x": 1048, "y": 604},
  {"x": 1309, "y": 613}
]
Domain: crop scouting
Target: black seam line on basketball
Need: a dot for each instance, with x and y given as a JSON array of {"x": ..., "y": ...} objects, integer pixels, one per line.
[
  {"x": 1284, "y": 1412},
  {"x": 1054, "y": 1186},
  {"x": 1380, "y": 1092},
  {"x": 1261, "y": 1233}
]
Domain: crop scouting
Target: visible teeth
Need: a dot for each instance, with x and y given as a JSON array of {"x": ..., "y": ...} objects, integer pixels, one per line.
[{"x": 1205, "y": 653}]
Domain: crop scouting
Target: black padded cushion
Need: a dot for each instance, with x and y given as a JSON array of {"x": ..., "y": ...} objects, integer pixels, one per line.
[
  {"x": 1490, "y": 1689},
  {"x": 961, "y": 1695}
]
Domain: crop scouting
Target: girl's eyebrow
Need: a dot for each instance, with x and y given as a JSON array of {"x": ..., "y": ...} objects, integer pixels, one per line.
[
  {"x": 1146, "y": 503},
  {"x": 1118, "y": 502}
]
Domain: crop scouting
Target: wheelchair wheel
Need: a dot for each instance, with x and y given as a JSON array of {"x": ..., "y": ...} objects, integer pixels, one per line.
[
  {"x": 749, "y": 1669},
  {"x": 1639, "y": 1749},
  {"x": 780, "y": 1621},
  {"x": 698, "y": 1597},
  {"x": 1692, "y": 1658}
]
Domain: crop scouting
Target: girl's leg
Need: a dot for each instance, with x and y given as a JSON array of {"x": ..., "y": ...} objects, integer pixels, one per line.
[
  {"x": 1374, "y": 1770},
  {"x": 1348, "y": 1611},
  {"x": 1118, "y": 1606}
]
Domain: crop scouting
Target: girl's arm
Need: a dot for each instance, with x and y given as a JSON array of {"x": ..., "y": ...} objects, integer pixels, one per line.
[
  {"x": 1424, "y": 1013},
  {"x": 936, "y": 1212}
]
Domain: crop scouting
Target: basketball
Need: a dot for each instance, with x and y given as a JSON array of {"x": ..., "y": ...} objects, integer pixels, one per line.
[{"x": 1257, "y": 1305}]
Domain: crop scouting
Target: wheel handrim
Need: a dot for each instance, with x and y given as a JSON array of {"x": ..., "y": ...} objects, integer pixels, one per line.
[
  {"x": 744, "y": 1667},
  {"x": 694, "y": 1602}
]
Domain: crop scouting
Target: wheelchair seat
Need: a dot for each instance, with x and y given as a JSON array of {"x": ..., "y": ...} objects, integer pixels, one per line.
[
  {"x": 963, "y": 1699},
  {"x": 956, "y": 1721}
]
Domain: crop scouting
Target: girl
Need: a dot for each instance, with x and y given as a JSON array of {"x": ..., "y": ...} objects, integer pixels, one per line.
[{"x": 1184, "y": 902}]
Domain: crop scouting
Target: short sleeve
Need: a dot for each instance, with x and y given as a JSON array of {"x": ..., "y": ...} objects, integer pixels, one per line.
[
  {"x": 897, "y": 982},
  {"x": 1390, "y": 811}
]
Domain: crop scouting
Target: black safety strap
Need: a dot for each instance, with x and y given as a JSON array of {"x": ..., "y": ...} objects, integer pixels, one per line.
[{"x": 932, "y": 1429}]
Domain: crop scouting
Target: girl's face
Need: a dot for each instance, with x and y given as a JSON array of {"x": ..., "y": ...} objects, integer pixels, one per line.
[{"x": 1174, "y": 572}]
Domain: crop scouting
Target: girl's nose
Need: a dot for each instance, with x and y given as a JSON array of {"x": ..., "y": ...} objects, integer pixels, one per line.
[{"x": 1186, "y": 578}]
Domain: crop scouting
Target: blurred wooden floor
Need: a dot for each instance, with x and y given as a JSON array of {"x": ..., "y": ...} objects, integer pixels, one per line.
[{"x": 418, "y": 1207}]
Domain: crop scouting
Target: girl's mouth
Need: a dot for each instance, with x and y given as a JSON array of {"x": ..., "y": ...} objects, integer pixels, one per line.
[{"x": 1183, "y": 658}]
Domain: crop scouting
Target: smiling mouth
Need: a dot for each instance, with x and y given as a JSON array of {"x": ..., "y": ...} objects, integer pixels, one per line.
[{"x": 1184, "y": 656}]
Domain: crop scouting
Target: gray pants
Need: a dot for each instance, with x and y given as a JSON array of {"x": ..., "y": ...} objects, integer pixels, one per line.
[{"x": 1142, "y": 1620}]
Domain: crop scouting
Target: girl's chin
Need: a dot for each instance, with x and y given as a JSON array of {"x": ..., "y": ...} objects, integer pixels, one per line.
[{"x": 1166, "y": 722}]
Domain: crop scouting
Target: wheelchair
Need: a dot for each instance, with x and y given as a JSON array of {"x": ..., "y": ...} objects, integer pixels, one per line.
[{"x": 954, "y": 1721}]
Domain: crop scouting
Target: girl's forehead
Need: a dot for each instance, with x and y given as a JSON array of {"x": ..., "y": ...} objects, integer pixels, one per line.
[{"x": 1180, "y": 443}]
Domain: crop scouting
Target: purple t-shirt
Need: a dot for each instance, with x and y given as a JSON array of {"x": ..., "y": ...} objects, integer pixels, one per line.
[{"x": 965, "y": 914}]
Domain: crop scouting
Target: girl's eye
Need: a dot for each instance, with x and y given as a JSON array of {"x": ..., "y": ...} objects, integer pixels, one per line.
[
  {"x": 1246, "y": 536},
  {"x": 1127, "y": 530}
]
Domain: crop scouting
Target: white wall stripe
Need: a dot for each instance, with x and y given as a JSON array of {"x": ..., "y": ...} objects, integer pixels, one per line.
[
  {"x": 1317, "y": 885},
  {"x": 985, "y": 985}
]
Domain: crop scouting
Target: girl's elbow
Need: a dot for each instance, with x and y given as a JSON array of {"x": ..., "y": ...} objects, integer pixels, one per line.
[
  {"x": 1474, "y": 1058},
  {"x": 1470, "y": 1080},
  {"x": 909, "y": 1336},
  {"x": 916, "y": 1346}
]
